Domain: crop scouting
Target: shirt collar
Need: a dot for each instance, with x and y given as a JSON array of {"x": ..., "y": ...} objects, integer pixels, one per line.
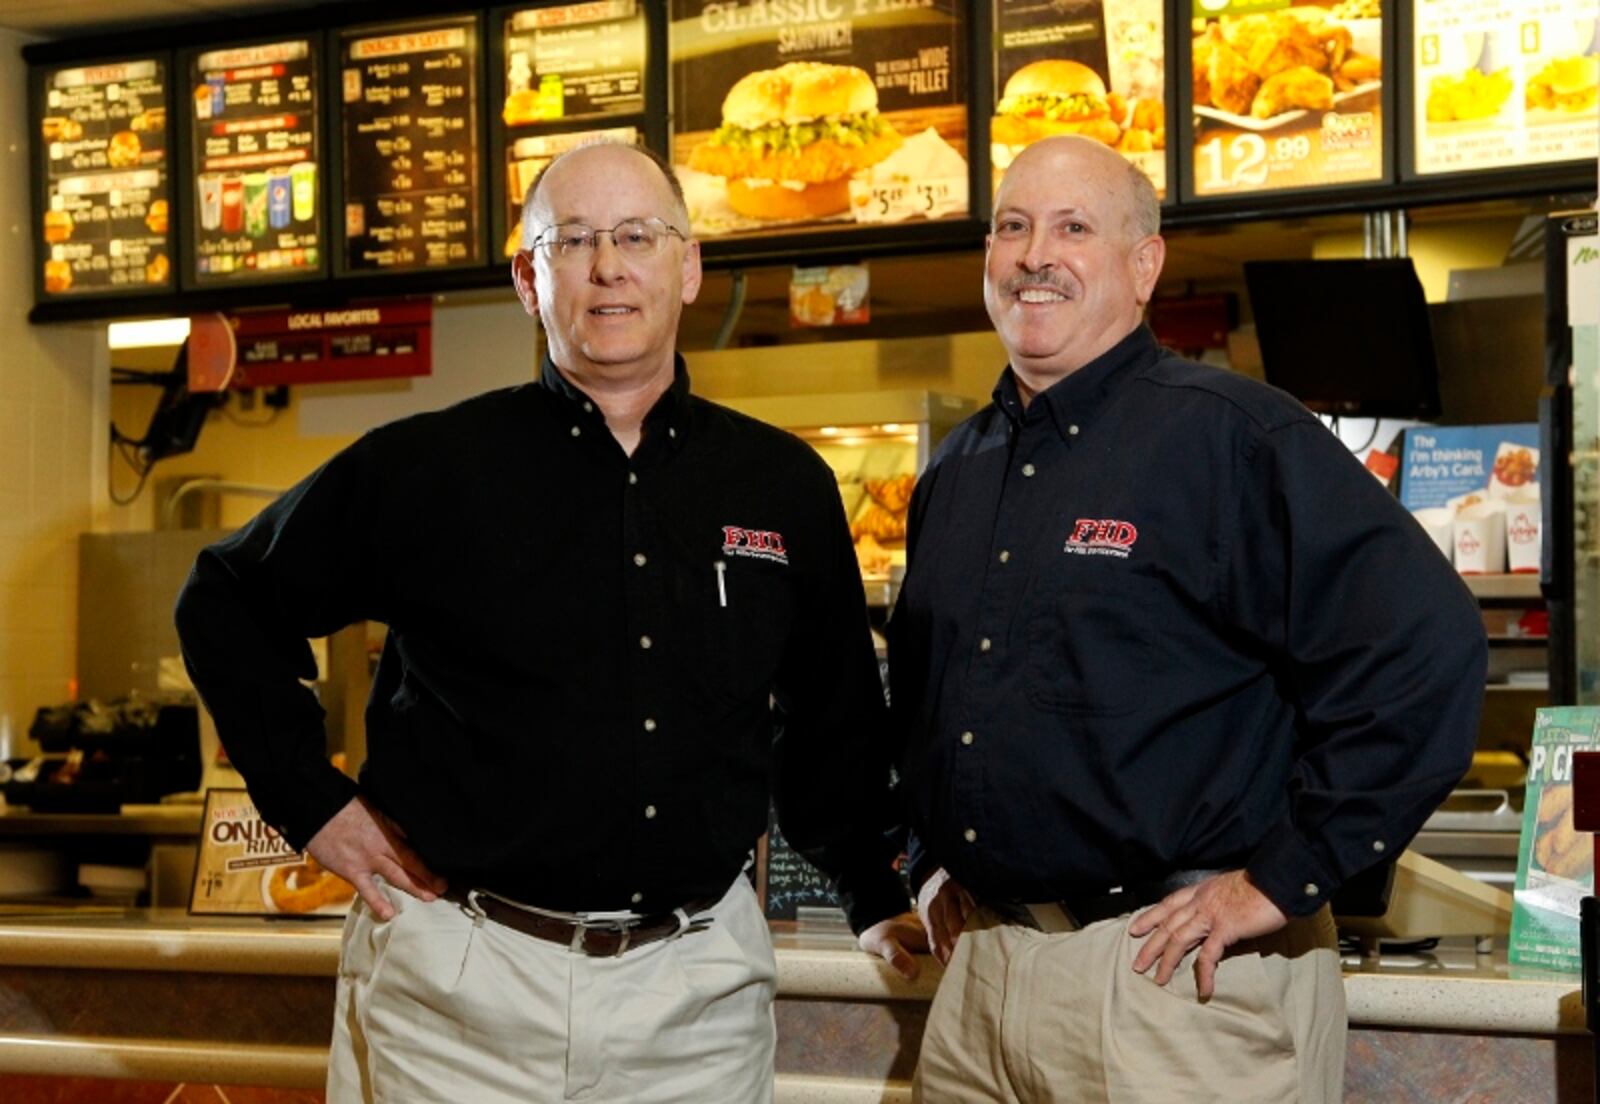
[
  {"x": 1071, "y": 403},
  {"x": 669, "y": 415}
]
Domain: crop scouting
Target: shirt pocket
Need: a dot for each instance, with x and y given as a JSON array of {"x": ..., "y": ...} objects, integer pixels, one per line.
[
  {"x": 1089, "y": 652},
  {"x": 746, "y": 616}
]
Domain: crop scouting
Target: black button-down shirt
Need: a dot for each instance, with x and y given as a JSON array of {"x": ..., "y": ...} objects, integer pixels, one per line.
[
  {"x": 1159, "y": 620},
  {"x": 573, "y": 706}
]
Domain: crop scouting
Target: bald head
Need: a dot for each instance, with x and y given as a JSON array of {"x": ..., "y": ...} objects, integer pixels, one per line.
[
  {"x": 1069, "y": 156},
  {"x": 603, "y": 157}
]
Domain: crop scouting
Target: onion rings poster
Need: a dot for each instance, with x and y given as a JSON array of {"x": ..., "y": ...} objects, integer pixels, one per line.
[
  {"x": 819, "y": 113},
  {"x": 245, "y": 868},
  {"x": 1085, "y": 67},
  {"x": 1286, "y": 95}
]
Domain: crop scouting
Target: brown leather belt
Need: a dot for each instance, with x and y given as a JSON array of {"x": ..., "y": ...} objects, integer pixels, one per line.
[
  {"x": 598, "y": 935},
  {"x": 1082, "y": 910}
]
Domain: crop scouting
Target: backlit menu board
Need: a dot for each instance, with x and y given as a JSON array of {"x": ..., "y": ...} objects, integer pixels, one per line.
[
  {"x": 1096, "y": 69},
  {"x": 256, "y": 160},
  {"x": 102, "y": 209},
  {"x": 1286, "y": 96},
  {"x": 819, "y": 115},
  {"x": 409, "y": 117},
  {"x": 576, "y": 61},
  {"x": 1502, "y": 83}
]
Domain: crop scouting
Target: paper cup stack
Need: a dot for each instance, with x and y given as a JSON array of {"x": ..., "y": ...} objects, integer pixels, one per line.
[{"x": 1484, "y": 535}]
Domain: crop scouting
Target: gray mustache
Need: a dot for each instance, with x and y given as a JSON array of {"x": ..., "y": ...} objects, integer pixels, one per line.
[{"x": 1020, "y": 283}]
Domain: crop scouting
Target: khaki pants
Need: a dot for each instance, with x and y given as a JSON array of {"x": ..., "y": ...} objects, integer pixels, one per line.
[
  {"x": 1024, "y": 1017},
  {"x": 433, "y": 1007}
]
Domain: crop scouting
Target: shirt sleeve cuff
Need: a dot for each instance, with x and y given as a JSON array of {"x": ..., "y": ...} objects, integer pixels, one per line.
[
  {"x": 321, "y": 790},
  {"x": 1287, "y": 870}
]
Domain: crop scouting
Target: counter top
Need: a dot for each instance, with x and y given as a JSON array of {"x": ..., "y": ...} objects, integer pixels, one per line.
[
  {"x": 1449, "y": 988},
  {"x": 134, "y": 820}
]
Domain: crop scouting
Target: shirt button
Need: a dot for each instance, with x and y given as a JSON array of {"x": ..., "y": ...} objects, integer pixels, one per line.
[
  {"x": 649, "y": 812},
  {"x": 671, "y": 432},
  {"x": 1379, "y": 846},
  {"x": 1072, "y": 431},
  {"x": 1028, "y": 470},
  {"x": 985, "y": 644},
  {"x": 639, "y": 559},
  {"x": 645, "y": 642},
  {"x": 967, "y": 738},
  {"x": 649, "y": 724},
  {"x": 633, "y": 477},
  {"x": 970, "y": 835},
  {"x": 1005, "y": 556},
  {"x": 576, "y": 432},
  {"x": 636, "y": 898},
  {"x": 588, "y": 408},
  {"x": 1311, "y": 889}
]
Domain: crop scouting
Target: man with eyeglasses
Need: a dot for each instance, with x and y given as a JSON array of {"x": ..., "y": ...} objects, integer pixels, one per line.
[
  {"x": 596, "y": 586},
  {"x": 1170, "y": 667}
]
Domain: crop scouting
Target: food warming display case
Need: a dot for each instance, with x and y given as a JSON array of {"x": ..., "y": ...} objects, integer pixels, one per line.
[{"x": 876, "y": 443}]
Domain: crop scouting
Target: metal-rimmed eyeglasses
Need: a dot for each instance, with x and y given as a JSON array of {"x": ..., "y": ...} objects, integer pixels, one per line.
[{"x": 635, "y": 238}]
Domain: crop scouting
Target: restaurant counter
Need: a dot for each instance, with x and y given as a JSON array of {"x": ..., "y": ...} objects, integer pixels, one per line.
[{"x": 163, "y": 997}]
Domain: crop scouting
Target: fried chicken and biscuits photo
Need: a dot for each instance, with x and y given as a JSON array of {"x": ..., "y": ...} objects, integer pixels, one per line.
[{"x": 1261, "y": 70}]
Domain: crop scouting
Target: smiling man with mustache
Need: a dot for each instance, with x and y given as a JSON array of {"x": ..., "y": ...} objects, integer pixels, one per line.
[
  {"x": 596, "y": 586},
  {"x": 1168, "y": 667}
]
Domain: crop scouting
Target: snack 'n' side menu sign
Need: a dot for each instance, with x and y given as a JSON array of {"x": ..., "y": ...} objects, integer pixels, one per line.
[
  {"x": 104, "y": 207},
  {"x": 256, "y": 162},
  {"x": 1286, "y": 95},
  {"x": 527, "y": 156},
  {"x": 828, "y": 113},
  {"x": 243, "y": 867},
  {"x": 1093, "y": 69},
  {"x": 409, "y": 117},
  {"x": 1504, "y": 83}
]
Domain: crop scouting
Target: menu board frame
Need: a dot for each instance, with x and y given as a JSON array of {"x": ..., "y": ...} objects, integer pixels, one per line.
[
  {"x": 1186, "y": 194},
  {"x": 335, "y": 153},
  {"x": 816, "y": 244},
  {"x": 39, "y": 183},
  {"x": 316, "y": 36},
  {"x": 651, "y": 122},
  {"x": 1496, "y": 180}
]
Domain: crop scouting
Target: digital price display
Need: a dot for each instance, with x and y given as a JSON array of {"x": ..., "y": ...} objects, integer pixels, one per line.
[
  {"x": 409, "y": 123},
  {"x": 819, "y": 115},
  {"x": 1285, "y": 95},
  {"x": 253, "y": 115},
  {"x": 102, "y": 220}
]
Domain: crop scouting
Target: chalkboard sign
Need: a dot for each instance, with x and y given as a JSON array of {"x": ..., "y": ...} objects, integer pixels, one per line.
[
  {"x": 792, "y": 883},
  {"x": 410, "y": 128}
]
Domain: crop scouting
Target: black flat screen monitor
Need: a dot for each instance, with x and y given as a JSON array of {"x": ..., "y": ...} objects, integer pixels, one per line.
[{"x": 1346, "y": 337}]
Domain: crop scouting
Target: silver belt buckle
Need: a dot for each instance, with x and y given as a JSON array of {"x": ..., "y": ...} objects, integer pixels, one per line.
[{"x": 622, "y": 923}]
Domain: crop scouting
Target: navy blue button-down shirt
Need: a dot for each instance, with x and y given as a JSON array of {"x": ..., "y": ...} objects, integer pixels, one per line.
[{"x": 1161, "y": 619}]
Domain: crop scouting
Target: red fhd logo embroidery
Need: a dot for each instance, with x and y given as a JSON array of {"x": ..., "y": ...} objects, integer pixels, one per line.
[
  {"x": 1101, "y": 537},
  {"x": 758, "y": 544}
]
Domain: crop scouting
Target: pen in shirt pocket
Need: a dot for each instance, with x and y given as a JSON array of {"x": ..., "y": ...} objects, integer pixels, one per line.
[{"x": 721, "y": 568}]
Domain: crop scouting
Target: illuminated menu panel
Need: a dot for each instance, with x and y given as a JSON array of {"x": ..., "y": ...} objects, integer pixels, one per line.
[
  {"x": 410, "y": 130},
  {"x": 103, "y": 218},
  {"x": 1286, "y": 96},
  {"x": 819, "y": 115},
  {"x": 1095, "y": 70},
  {"x": 576, "y": 61},
  {"x": 253, "y": 110},
  {"x": 1504, "y": 83}
]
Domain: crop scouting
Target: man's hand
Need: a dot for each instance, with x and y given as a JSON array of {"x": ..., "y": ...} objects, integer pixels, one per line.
[
  {"x": 897, "y": 940},
  {"x": 359, "y": 842},
  {"x": 1213, "y": 914},
  {"x": 943, "y": 906}
]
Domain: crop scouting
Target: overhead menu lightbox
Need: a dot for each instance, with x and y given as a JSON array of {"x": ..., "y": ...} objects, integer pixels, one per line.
[
  {"x": 102, "y": 221},
  {"x": 255, "y": 162},
  {"x": 819, "y": 116},
  {"x": 411, "y": 175}
]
